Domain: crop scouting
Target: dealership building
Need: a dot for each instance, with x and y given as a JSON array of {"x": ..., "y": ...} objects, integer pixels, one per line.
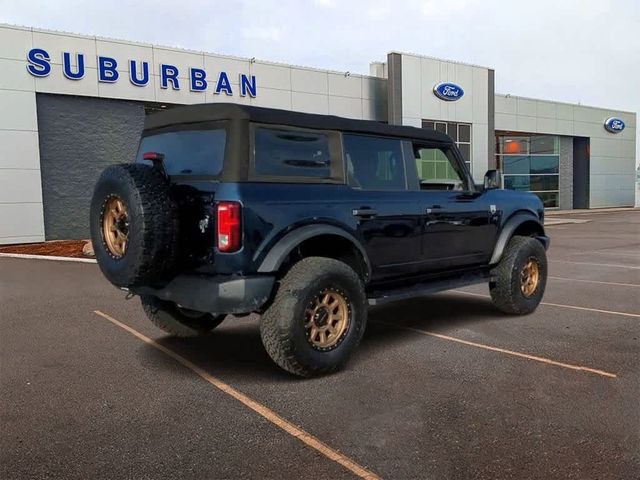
[{"x": 72, "y": 104}]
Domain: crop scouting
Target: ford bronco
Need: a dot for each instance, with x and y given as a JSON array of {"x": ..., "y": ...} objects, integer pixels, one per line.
[{"x": 306, "y": 220}]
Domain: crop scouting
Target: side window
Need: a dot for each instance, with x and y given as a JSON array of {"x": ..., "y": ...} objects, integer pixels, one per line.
[
  {"x": 374, "y": 163},
  {"x": 291, "y": 153},
  {"x": 438, "y": 169}
]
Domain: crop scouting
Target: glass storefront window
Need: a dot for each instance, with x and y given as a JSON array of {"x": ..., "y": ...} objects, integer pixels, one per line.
[
  {"x": 459, "y": 132},
  {"x": 530, "y": 163},
  {"x": 516, "y": 164},
  {"x": 543, "y": 144},
  {"x": 545, "y": 163}
]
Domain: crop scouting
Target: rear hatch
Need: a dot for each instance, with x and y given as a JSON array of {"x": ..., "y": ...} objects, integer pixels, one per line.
[{"x": 192, "y": 156}]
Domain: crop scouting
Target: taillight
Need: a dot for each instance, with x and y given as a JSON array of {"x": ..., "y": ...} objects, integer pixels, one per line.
[{"x": 229, "y": 228}]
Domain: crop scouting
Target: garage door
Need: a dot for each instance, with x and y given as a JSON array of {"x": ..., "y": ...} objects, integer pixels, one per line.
[{"x": 79, "y": 137}]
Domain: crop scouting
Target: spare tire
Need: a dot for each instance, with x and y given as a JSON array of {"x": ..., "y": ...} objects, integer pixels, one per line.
[{"x": 134, "y": 225}]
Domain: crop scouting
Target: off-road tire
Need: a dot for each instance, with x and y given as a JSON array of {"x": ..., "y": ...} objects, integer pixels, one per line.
[
  {"x": 505, "y": 286},
  {"x": 282, "y": 324},
  {"x": 152, "y": 224},
  {"x": 168, "y": 317}
]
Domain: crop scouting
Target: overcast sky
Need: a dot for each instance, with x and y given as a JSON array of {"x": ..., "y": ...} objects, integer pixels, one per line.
[{"x": 585, "y": 51}]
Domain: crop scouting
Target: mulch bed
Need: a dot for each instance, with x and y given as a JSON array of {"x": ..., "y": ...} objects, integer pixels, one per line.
[{"x": 61, "y": 248}]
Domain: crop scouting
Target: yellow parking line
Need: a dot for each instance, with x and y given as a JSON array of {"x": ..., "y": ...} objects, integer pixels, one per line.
[
  {"x": 575, "y": 307},
  {"x": 260, "y": 409},
  {"x": 614, "y": 265},
  {"x": 502, "y": 350},
  {"x": 596, "y": 281}
]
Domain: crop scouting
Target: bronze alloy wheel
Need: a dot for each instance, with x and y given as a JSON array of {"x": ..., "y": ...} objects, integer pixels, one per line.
[
  {"x": 115, "y": 226},
  {"x": 530, "y": 277},
  {"x": 327, "y": 319}
]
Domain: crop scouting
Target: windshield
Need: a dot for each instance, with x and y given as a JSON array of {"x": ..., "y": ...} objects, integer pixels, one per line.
[{"x": 187, "y": 152}]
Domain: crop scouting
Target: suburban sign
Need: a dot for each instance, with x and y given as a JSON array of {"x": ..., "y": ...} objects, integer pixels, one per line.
[
  {"x": 73, "y": 68},
  {"x": 448, "y": 91},
  {"x": 614, "y": 125}
]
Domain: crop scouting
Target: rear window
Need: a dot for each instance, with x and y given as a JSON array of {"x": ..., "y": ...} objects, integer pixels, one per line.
[
  {"x": 188, "y": 152},
  {"x": 292, "y": 153}
]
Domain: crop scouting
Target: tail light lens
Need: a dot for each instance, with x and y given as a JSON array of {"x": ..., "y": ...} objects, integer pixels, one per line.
[{"x": 229, "y": 226}]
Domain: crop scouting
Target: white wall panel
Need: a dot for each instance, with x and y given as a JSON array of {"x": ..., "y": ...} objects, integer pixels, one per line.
[
  {"x": 526, "y": 107},
  {"x": 545, "y": 109},
  {"x": 123, "y": 52},
  {"x": 19, "y": 149},
  {"x": 214, "y": 64},
  {"x": 20, "y": 186},
  {"x": 271, "y": 76},
  {"x": 22, "y": 222},
  {"x": 310, "y": 102},
  {"x": 14, "y": 43},
  {"x": 480, "y": 95},
  {"x": 564, "y": 127},
  {"x": 505, "y": 104},
  {"x": 584, "y": 129},
  {"x": 504, "y": 121},
  {"x": 180, "y": 59},
  {"x": 184, "y": 95},
  {"x": 57, "y": 43},
  {"x": 14, "y": 76},
  {"x": 343, "y": 86},
  {"x": 526, "y": 124},
  {"x": 612, "y": 166},
  {"x": 124, "y": 89},
  {"x": 480, "y": 161},
  {"x": 546, "y": 125},
  {"x": 412, "y": 88},
  {"x": 375, "y": 88},
  {"x": 309, "y": 81},
  {"x": 374, "y": 110},
  {"x": 18, "y": 110},
  {"x": 564, "y": 111},
  {"x": 273, "y": 98},
  {"x": 57, "y": 83},
  {"x": 345, "y": 107}
]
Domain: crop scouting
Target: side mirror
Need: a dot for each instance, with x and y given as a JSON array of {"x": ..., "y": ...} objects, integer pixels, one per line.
[{"x": 492, "y": 180}]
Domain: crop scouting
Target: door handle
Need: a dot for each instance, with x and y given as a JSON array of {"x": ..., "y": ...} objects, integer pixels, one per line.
[
  {"x": 433, "y": 207},
  {"x": 364, "y": 212}
]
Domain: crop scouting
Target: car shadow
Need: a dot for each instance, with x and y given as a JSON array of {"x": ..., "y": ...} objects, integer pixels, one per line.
[{"x": 235, "y": 350}]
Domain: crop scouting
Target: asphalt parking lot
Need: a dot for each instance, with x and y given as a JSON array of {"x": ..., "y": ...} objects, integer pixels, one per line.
[{"x": 442, "y": 386}]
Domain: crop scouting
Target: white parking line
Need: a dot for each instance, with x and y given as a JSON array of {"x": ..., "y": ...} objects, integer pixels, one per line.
[
  {"x": 248, "y": 402},
  {"x": 502, "y": 350},
  {"x": 615, "y": 265},
  {"x": 575, "y": 307},
  {"x": 616, "y": 284}
]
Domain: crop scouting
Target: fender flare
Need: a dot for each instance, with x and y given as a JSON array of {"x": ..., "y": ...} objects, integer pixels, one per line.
[
  {"x": 506, "y": 233},
  {"x": 291, "y": 240}
]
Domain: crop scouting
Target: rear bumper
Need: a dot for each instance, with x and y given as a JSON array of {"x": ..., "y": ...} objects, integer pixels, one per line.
[{"x": 215, "y": 294}]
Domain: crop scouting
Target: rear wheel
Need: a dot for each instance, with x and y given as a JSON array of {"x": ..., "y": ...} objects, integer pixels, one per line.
[
  {"x": 177, "y": 321},
  {"x": 520, "y": 278},
  {"x": 317, "y": 318}
]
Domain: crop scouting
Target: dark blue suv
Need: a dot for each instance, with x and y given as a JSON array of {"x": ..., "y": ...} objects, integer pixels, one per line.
[{"x": 306, "y": 220}]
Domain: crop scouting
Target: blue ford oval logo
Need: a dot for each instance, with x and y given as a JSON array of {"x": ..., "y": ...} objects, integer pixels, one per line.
[
  {"x": 448, "y": 91},
  {"x": 614, "y": 125}
]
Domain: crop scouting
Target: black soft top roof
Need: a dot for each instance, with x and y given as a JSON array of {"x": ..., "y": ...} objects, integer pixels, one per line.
[{"x": 206, "y": 112}]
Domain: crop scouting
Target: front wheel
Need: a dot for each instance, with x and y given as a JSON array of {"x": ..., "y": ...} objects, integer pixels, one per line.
[
  {"x": 520, "y": 278},
  {"x": 317, "y": 318},
  {"x": 176, "y": 321}
]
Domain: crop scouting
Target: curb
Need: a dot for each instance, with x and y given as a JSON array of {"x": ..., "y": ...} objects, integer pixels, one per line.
[
  {"x": 590, "y": 211},
  {"x": 46, "y": 257},
  {"x": 549, "y": 222}
]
